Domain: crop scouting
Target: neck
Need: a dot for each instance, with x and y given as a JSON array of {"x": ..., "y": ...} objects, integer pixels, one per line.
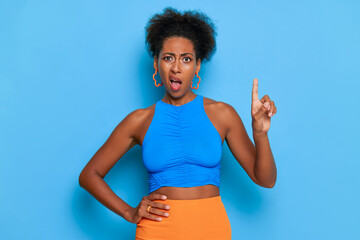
[{"x": 179, "y": 100}]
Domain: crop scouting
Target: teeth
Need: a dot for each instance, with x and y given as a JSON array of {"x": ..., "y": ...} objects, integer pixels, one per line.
[{"x": 171, "y": 80}]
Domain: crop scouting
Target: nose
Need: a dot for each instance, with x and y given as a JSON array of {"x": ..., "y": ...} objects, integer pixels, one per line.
[{"x": 175, "y": 67}]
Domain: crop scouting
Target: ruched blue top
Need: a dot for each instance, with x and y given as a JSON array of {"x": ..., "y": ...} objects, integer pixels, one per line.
[{"x": 181, "y": 147}]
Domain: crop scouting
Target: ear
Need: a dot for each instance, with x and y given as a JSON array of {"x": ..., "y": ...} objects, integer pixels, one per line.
[
  {"x": 156, "y": 63},
  {"x": 198, "y": 64}
]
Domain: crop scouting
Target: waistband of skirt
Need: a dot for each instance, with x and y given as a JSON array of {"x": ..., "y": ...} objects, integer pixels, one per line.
[{"x": 191, "y": 201}]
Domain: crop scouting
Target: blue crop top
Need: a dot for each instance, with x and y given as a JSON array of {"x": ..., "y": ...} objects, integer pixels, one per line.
[{"x": 181, "y": 147}]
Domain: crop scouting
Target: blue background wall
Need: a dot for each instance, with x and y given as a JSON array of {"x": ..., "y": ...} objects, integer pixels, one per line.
[{"x": 70, "y": 71}]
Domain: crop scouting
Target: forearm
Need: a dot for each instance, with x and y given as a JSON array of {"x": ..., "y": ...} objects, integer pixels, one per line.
[
  {"x": 100, "y": 190},
  {"x": 265, "y": 168}
]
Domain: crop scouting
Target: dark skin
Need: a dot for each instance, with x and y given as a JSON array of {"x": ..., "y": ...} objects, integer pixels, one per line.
[{"x": 177, "y": 58}]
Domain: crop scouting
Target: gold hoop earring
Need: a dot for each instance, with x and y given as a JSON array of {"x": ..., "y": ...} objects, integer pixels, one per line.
[
  {"x": 157, "y": 85},
  {"x": 197, "y": 83}
]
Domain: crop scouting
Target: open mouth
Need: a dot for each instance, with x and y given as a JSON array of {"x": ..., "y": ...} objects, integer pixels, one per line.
[{"x": 175, "y": 83}]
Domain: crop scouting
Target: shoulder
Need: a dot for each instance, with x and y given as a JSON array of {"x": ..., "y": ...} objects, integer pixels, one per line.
[
  {"x": 220, "y": 107},
  {"x": 137, "y": 121},
  {"x": 140, "y": 115},
  {"x": 223, "y": 111}
]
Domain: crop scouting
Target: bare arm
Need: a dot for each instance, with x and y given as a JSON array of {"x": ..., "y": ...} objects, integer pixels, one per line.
[
  {"x": 257, "y": 161},
  {"x": 121, "y": 140},
  {"x": 265, "y": 168}
]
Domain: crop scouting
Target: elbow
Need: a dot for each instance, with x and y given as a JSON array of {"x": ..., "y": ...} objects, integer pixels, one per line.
[
  {"x": 266, "y": 184},
  {"x": 87, "y": 176},
  {"x": 84, "y": 178},
  {"x": 271, "y": 185}
]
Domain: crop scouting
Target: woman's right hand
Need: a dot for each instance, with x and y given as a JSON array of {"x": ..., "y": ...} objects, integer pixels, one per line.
[{"x": 136, "y": 214}]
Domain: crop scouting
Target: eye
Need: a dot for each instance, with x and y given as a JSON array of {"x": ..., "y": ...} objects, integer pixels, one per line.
[
  {"x": 187, "y": 59},
  {"x": 167, "y": 57}
]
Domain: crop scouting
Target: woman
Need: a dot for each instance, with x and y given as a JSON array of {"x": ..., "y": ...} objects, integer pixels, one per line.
[{"x": 182, "y": 137}]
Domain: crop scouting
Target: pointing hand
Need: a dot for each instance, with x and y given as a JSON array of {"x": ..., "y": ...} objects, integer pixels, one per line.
[{"x": 261, "y": 111}]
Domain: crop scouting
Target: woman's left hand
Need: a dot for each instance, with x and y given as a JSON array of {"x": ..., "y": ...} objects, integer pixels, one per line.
[{"x": 261, "y": 111}]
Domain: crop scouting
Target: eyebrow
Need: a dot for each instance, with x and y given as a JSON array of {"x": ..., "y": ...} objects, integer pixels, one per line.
[{"x": 180, "y": 55}]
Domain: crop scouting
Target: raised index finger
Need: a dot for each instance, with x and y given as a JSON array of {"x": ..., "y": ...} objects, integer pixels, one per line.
[{"x": 255, "y": 95}]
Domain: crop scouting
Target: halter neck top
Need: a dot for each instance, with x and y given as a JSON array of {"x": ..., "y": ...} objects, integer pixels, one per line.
[{"x": 181, "y": 147}]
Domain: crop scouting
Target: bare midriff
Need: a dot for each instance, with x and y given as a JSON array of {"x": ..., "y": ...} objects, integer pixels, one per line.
[{"x": 180, "y": 193}]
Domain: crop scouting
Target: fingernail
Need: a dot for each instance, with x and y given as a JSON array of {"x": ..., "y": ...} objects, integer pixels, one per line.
[
  {"x": 159, "y": 219},
  {"x": 163, "y": 197},
  {"x": 167, "y": 207},
  {"x": 166, "y": 214}
]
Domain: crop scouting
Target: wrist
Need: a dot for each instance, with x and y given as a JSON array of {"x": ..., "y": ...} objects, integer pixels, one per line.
[
  {"x": 259, "y": 134},
  {"x": 127, "y": 214}
]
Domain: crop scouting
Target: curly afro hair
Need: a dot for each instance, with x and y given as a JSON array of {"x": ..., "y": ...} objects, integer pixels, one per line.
[{"x": 193, "y": 25}]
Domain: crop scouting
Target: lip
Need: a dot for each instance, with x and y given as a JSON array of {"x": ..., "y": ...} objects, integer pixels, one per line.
[
  {"x": 177, "y": 88},
  {"x": 175, "y": 78}
]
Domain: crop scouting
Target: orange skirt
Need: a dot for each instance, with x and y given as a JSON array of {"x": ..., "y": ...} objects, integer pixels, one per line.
[{"x": 203, "y": 218}]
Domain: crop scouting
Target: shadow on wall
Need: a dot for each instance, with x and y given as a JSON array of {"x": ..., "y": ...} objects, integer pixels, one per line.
[
  {"x": 128, "y": 179},
  {"x": 238, "y": 187}
]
